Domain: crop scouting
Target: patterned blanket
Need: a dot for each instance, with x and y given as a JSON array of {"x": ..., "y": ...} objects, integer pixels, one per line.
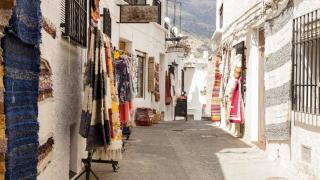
[{"x": 21, "y": 82}]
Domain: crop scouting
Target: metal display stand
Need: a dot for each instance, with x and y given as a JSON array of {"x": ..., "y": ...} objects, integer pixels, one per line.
[{"x": 88, "y": 164}]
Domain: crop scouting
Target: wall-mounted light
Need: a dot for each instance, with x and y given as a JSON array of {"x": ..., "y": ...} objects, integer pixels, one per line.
[{"x": 167, "y": 20}]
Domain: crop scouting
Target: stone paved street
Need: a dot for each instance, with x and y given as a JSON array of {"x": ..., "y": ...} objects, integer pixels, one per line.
[{"x": 190, "y": 151}]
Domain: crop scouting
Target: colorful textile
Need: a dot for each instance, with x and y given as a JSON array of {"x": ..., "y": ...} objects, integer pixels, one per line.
[
  {"x": 21, "y": 82},
  {"x": 144, "y": 116},
  {"x": 45, "y": 155},
  {"x": 237, "y": 106},
  {"x": 151, "y": 75},
  {"x": 123, "y": 80},
  {"x": 94, "y": 123},
  {"x": 5, "y": 15},
  {"x": 27, "y": 20},
  {"x": 168, "y": 98},
  {"x": 114, "y": 149},
  {"x": 157, "y": 85},
  {"x": 45, "y": 84},
  {"x": 215, "y": 104}
]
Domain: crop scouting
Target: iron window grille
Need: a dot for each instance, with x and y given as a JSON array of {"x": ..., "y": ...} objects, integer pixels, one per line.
[
  {"x": 305, "y": 63},
  {"x": 74, "y": 25}
]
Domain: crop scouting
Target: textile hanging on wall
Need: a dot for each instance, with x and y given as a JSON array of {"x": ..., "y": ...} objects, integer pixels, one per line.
[
  {"x": 45, "y": 155},
  {"x": 151, "y": 74},
  {"x": 5, "y": 15},
  {"x": 27, "y": 21},
  {"x": 45, "y": 83},
  {"x": 237, "y": 106},
  {"x": 21, "y": 82},
  {"x": 49, "y": 27},
  {"x": 168, "y": 98},
  {"x": 234, "y": 89},
  {"x": 157, "y": 80},
  {"x": 95, "y": 11},
  {"x": 215, "y": 104}
]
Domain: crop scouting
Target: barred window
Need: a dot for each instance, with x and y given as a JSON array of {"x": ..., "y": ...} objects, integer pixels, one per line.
[
  {"x": 306, "y": 64},
  {"x": 75, "y": 23}
]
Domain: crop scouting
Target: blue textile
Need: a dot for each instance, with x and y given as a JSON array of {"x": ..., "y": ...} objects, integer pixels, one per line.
[
  {"x": 26, "y": 21},
  {"x": 21, "y": 81}
]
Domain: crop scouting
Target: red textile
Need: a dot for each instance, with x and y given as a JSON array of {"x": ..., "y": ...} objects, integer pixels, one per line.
[
  {"x": 168, "y": 97},
  {"x": 124, "y": 112},
  {"x": 237, "y": 106}
]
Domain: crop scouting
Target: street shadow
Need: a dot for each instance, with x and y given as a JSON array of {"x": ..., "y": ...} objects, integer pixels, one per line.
[{"x": 175, "y": 151}]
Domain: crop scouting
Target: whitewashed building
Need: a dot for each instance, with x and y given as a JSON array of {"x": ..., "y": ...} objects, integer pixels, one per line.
[
  {"x": 59, "y": 117},
  {"x": 281, "y": 87}
]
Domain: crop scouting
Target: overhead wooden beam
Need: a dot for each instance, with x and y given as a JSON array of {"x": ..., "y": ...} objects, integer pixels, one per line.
[{"x": 7, "y": 4}]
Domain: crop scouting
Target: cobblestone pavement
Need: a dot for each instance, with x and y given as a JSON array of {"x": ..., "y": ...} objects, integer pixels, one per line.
[{"x": 190, "y": 151}]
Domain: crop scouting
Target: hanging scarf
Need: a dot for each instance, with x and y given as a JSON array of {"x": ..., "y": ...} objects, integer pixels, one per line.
[
  {"x": 237, "y": 106},
  {"x": 114, "y": 149},
  {"x": 168, "y": 97},
  {"x": 95, "y": 125}
]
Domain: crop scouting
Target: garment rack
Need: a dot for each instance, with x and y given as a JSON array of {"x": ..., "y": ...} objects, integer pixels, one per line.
[{"x": 88, "y": 164}]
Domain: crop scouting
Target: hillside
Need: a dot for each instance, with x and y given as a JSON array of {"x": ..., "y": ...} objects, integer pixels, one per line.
[{"x": 198, "y": 22}]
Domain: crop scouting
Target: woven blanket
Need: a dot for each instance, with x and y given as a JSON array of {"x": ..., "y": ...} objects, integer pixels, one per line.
[
  {"x": 215, "y": 102},
  {"x": 94, "y": 124},
  {"x": 21, "y": 82},
  {"x": 27, "y": 20},
  {"x": 45, "y": 84},
  {"x": 4, "y": 21},
  {"x": 114, "y": 149}
]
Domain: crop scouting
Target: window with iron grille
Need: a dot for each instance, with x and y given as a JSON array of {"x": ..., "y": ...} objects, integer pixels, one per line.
[
  {"x": 306, "y": 63},
  {"x": 75, "y": 21}
]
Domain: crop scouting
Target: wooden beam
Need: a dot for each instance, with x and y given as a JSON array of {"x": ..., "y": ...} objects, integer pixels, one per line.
[{"x": 7, "y": 4}]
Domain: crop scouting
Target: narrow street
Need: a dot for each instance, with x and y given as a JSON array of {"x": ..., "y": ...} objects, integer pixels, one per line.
[{"x": 190, "y": 150}]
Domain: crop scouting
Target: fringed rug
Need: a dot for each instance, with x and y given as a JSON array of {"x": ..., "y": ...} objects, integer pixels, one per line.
[{"x": 21, "y": 82}]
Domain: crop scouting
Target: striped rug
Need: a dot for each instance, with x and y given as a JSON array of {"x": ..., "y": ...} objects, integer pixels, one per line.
[{"x": 215, "y": 104}]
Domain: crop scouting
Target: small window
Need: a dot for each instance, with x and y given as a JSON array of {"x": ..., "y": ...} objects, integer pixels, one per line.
[
  {"x": 306, "y": 64},
  {"x": 140, "y": 76},
  {"x": 221, "y": 16},
  {"x": 75, "y": 22}
]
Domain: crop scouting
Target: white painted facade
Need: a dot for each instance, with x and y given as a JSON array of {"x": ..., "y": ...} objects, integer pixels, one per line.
[
  {"x": 60, "y": 116},
  {"x": 242, "y": 20}
]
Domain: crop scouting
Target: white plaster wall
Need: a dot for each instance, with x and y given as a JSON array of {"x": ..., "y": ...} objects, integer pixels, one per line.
[
  {"x": 232, "y": 11},
  {"x": 195, "y": 82},
  {"x": 304, "y": 136},
  {"x": 252, "y": 98},
  {"x": 58, "y": 113}
]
